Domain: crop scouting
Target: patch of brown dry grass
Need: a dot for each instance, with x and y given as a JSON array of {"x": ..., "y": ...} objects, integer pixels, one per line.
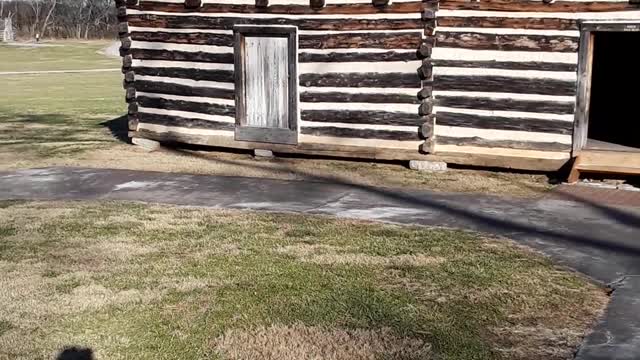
[
  {"x": 331, "y": 255},
  {"x": 537, "y": 342},
  {"x": 299, "y": 342}
]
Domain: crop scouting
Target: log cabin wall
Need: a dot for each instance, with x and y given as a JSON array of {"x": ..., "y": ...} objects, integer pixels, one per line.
[
  {"x": 359, "y": 68},
  {"x": 505, "y": 74},
  {"x": 502, "y": 75}
]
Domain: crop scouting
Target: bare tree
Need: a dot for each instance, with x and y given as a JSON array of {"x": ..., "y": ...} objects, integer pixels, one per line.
[
  {"x": 46, "y": 20},
  {"x": 64, "y": 18}
]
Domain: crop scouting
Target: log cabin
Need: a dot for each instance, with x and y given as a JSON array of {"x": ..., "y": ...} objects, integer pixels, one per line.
[{"x": 523, "y": 84}]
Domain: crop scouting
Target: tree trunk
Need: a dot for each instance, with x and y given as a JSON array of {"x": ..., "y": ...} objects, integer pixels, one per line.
[{"x": 46, "y": 20}]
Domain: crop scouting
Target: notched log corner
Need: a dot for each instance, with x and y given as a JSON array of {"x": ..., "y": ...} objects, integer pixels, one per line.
[
  {"x": 426, "y": 107},
  {"x": 428, "y": 147},
  {"x": 192, "y": 4},
  {"x": 380, "y": 3},
  {"x": 427, "y": 129},
  {"x": 132, "y": 122},
  {"x": 425, "y": 72},
  {"x": 317, "y": 4}
]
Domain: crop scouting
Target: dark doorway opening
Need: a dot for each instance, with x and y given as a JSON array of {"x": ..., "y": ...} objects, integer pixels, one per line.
[{"x": 614, "y": 113}]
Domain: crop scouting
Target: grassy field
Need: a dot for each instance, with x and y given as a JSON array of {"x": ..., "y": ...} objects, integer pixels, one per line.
[
  {"x": 62, "y": 55},
  {"x": 131, "y": 281},
  {"x": 69, "y": 120}
]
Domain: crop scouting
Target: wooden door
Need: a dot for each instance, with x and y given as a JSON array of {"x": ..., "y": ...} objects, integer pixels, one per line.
[{"x": 266, "y": 84}]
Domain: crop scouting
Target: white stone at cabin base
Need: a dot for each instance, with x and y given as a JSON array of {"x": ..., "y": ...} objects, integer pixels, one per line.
[
  {"x": 146, "y": 144},
  {"x": 430, "y": 166},
  {"x": 263, "y": 153}
]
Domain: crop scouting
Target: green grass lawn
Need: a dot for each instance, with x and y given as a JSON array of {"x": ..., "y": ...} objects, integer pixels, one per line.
[
  {"x": 64, "y": 55},
  {"x": 131, "y": 281}
]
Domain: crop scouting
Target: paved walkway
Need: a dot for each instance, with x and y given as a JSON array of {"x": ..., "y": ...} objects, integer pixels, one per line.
[{"x": 602, "y": 242}]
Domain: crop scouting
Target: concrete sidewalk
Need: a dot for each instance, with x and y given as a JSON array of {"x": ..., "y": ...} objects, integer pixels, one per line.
[{"x": 599, "y": 241}]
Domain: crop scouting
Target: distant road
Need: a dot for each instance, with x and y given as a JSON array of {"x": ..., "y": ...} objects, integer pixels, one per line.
[{"x": 57, "y": 71}]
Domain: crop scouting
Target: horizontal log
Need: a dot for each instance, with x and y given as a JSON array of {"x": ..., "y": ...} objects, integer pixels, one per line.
[
  {"x": 197, "y": 107},
  {"x": 227, "y": 23},
  {"x": 505, "y": 84},
  {"x": 145, "y": 54},
  {"x": 314, "y": 97},
  {"x": 384, "y": 80},
  {"x": 508, "y": 159},
  {"x": 506, "y": 42},
  {"x": 504, "y": 123},
  {"x": 506, "y": 22},
  {"x": 362, "y": 133},
  {"x": 193, "y": 38},
  {"x": 357, "y": 56},
  {"x": 183, "y": 73},
  {"x": 227, "y": 58},
  {"x": 487, "y": 103},
  {"x": 618, "y": 27},
  {"x": 347, "y": 9},
  {"x": 391, "y": 40},
  {"x": 506, "y": 65},
  {"x": 184, "y": 122},
  {"x": 362, "y": 117},
  {"x": 537, "y": 6},
  {"x": 509, "y": 144},
  {"x": 183, "y": 90}
]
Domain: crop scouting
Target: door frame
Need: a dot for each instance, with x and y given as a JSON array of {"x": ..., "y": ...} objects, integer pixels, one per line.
[
  {"x": 585, "y": 69},
  {"x": 266, "y": 134}
]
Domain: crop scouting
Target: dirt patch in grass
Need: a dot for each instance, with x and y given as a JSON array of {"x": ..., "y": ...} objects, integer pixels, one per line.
[
  {"x": 315, "y": 343},
  {"x": 137, "y": 281}
]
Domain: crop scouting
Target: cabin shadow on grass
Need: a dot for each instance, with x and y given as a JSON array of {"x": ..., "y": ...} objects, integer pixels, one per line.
[
  {"x": 76, "y": 353},
  {"x": 119, "y": 128}
]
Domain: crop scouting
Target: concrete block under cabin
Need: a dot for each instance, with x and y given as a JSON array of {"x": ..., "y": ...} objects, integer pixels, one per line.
[
  {"x": 263, "y": 154},
  {"x": 146, "y": 144},
  {"x": 523, "y": 87},
  {"x": 428, "y": 166}
]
